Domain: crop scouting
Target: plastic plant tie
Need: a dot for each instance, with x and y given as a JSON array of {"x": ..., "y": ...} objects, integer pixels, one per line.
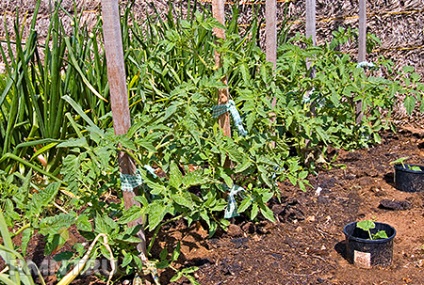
[
  {"x": 231, "y": 209},
  {"x": 363, "y": 64},
  {"x": 151, "y": 170},
  {"x": 230, "y": 106},
  {"x": 129, "y": 182},
  {"x": 236, "y": 117},
  {"x": 219, "y": 110},
  {"x": 307, "y": 96},
  {"x": 274, "y": 174}
]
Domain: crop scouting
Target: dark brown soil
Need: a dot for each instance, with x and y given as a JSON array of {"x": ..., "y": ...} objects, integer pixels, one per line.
[{"x": 307, "y": 245}]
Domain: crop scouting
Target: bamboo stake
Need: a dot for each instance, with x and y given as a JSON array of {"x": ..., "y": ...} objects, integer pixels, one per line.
[
  {"x": 119, "y": 101},
  {"x": 218, "y": 12},
  {"x": 362, "y": 48}
]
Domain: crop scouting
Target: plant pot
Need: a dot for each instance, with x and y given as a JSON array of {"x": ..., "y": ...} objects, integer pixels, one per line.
[
  {"x": 409, "y": 180},
  {"x": 363, "y": 252}
]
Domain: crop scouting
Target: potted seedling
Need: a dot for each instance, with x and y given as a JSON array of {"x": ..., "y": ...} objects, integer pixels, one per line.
[
  {"x": 369, "y": 243},
  {"x": 408, "y": 177}
]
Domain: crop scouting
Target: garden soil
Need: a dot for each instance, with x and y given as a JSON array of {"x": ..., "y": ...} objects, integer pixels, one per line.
[{"x": 306, "y": 245}]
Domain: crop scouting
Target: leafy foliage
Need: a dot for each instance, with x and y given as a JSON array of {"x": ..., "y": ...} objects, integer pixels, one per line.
[
  {"x": 368, "y": 225},
  {"x": 58, "y": 109}
]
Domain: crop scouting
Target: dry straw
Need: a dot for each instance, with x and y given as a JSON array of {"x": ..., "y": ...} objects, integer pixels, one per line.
[{"x": 398, "y": 23}]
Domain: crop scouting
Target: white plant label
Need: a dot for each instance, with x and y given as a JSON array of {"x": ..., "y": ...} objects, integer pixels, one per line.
[{"x": 362, "y": 259}]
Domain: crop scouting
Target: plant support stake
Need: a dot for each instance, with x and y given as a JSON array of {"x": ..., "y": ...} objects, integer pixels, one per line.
[
  {"x": 119, "y": 102},
  {"x": 218, "y": 11},
  {"x": 362, "y": 49},
  {"x": 271, "y": 31},
  {"x": 311, "y": 27},
  {"x": 271, "y": 44}
]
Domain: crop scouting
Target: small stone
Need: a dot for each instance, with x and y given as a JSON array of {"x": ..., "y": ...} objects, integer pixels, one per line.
[
  {"x": 248, "y": 227},
  {"x": 365, "y": 181},
  {"x": 234, "y": 231}
]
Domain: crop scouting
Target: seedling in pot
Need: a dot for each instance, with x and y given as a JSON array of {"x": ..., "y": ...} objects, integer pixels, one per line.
[
  {"x": 367, "y": 226},
  {"x": 402, "y": 161}
]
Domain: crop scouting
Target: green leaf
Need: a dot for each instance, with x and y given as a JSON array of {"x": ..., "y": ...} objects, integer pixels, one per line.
[
  {"x": 204, "y": 215},
  {"x": 244, "y": 205},
  {"x": 409, "y": 104},
  {"x": 190, "y": 270},
  {"x": 265, "y": 175},
  {"x": 156, "y": 214},
  {"x": 234, "y": 153},
  {"x": 170, "y": 111},
  {"x": 408, "y": 68},
  {"x": 71, "y": 172},
  {"x": 131, "y": 214},
  {"x": 104, "y": 224},
  {"x": 254, "y": 212},
  {"x": 126, "y": 260},
  {"x": 96, "y": 134},
  {"x": 365, "y": 225},
  {"x": 266, "y": 195},
  {"x": 83, "y": 223},
  {"x": 42, "y": 199},
  {"x": 26, "y": 237},
  {"x": 183, "y": 199},
  {"x": 156, "y": 188},
  {"x": 212, "y": 228},
  {"x": 175, "y": 176},
  {"x": 163, "y": 254},
  {"x": 194, "y": 178},
  {"x": 176, "y": 252},
  {"x": 127, "y": 238},
  {"x": 267, "y": 213},
  {"x": 243, "y": 166},
  {"x": 380, "y": 235},
  {"x": 147, "y": 145},
  {"x": 176, "y": 277},
  {"x": 78, "y": 142},
  {"x": 227, "y": 179},
  {"x": 57, "y": 224},
  {"x": 192, "y": 279}
]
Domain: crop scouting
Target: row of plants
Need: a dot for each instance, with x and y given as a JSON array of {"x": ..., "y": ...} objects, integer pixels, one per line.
[{"x": 59, "y": 165}]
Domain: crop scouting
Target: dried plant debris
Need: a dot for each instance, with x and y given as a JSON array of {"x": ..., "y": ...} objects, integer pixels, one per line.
[{"x": 398, "y": 23}]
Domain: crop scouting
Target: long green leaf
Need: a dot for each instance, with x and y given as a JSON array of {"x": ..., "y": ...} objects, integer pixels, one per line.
[
  {"x": 78, "y": 109},
  {"x": 5, "y": 250},
  {"x": 33, "y": 166},
  {"x": 75, "y": 65}
]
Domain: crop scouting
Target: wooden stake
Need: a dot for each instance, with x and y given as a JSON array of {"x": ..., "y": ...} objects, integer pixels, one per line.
[
  {"x": 311, "y": 27},
  {"x": 271, "y": 44},
  {"x": 119, "y": 100},
  {"x": 311, "y": 20},
  {"x": 271, "y": 31},
  {"x": 218, "y": 12},
  {"x": 362, "y": 49}
]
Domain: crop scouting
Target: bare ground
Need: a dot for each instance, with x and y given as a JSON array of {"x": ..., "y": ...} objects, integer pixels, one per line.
[{"x": 306, "y": 245}]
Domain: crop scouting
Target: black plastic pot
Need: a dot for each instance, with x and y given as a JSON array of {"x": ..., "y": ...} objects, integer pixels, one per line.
[
  {"x": 409, "y": 180},
  {"x": 363, "y": 252}
]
